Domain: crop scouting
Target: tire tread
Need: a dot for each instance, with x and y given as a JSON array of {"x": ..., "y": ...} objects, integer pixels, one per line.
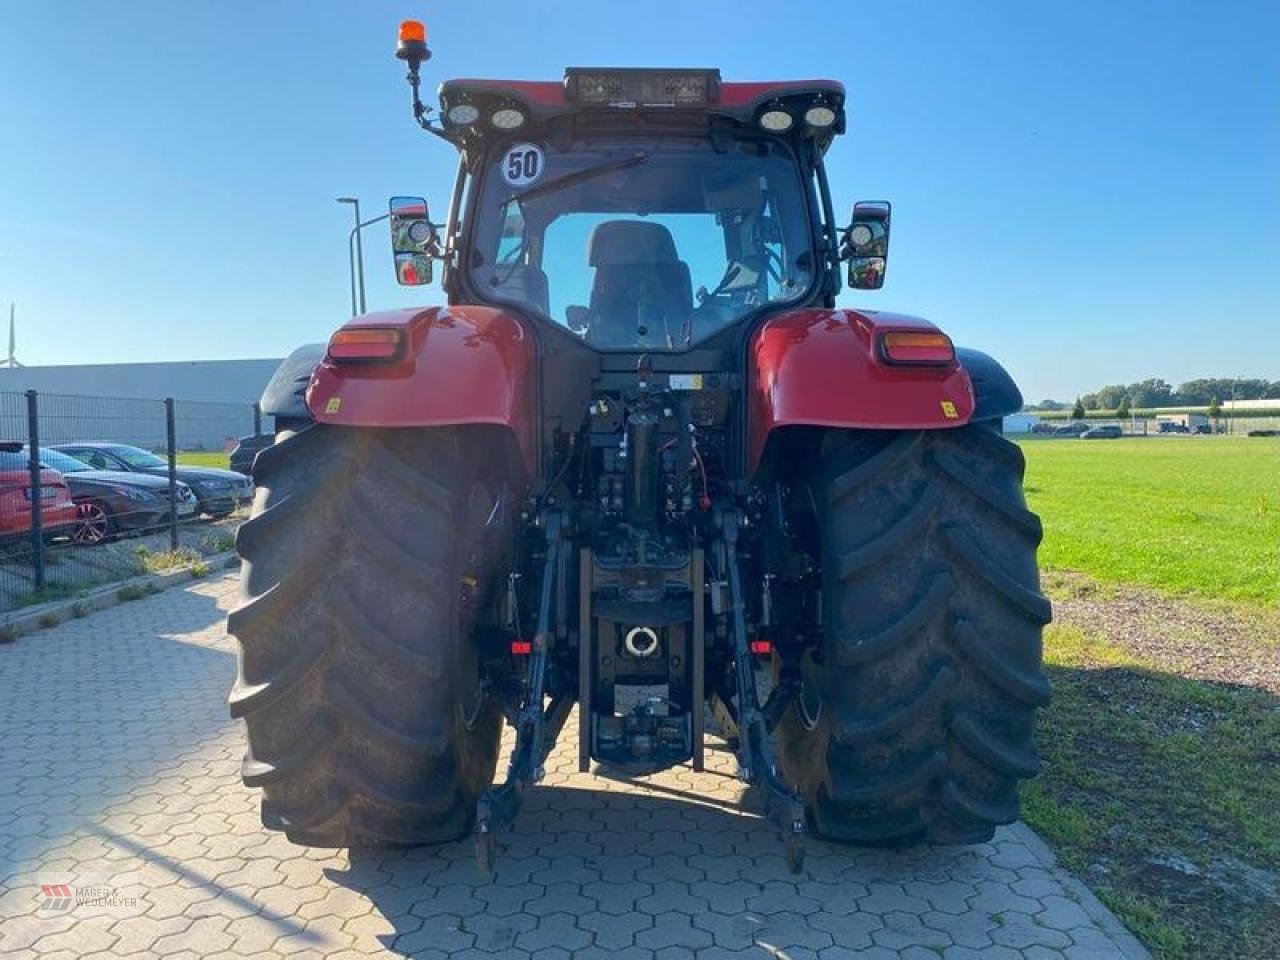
[
  {"x": 931, "y": 674},
  {"x": 351, "y": 729}
]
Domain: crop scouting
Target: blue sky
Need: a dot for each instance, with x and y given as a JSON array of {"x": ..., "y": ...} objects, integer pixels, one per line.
[{"x": 1091, "y": 191}]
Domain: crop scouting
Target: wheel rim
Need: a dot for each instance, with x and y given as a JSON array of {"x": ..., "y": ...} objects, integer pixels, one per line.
[
  {"x": 809, "y": 700},
  {"x": 91, "y": 523}
]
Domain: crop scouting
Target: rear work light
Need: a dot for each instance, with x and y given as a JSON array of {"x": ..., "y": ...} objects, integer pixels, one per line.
[
  {"x": 368, "y": 343},
  {"x": 820, "y": 116},
  {"x": 777, "y": 120},
  {"x": 919, "y": 348},
  {"x": 507, "y": 118},
  {"x": 642, "y": 88}
]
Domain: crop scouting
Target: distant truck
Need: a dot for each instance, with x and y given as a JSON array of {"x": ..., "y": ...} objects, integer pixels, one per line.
[{"x": 1183, "y": 423}]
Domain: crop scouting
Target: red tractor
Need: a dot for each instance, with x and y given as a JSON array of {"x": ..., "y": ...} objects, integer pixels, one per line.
[{"x": 640, "y": 463}]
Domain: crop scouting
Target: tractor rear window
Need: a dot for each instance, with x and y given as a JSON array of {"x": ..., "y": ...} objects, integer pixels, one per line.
[{"x": 636, "y": 245}]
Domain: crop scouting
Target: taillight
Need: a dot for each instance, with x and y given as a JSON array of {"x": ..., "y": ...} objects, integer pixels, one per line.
[
  {"x": 924, "y": 348},
  {"x": 366, "y": 343}
]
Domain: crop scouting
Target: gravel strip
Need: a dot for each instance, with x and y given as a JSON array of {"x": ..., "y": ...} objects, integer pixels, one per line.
[{"x": 1199, "y": 639}]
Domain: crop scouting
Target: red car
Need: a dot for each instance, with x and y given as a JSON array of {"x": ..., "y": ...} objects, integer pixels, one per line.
[{"x": 59, "y": 513}]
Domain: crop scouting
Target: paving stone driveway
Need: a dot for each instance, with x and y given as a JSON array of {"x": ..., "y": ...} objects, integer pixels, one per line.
[{"x": 121, "y": 798}]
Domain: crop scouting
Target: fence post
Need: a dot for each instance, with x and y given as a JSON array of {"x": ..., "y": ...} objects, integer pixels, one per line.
[
  {"x": 257, "y": 419},
  {"x": 37, "y": 491},
  {"x": 171, "y": 445}
]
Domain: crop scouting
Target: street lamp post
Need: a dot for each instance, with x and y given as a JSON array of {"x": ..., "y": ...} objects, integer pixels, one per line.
[
  {"x": 353, "y": 238},
  {"x": 357, "y": 263}
]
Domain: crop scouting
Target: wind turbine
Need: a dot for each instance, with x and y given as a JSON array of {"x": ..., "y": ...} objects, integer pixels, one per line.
[{"x": 12, "y": 360}]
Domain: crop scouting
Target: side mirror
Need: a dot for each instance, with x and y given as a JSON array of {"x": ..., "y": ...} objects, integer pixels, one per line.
[
  {"x": 413, "y": 240},
  {"x": 866, "y": 245}
]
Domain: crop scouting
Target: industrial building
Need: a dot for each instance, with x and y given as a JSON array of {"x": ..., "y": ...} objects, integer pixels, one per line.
[{"x": 123, "y": 401}]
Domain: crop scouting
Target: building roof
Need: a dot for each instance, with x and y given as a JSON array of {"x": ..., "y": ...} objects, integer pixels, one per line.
[{"x": 215, "y": 381}]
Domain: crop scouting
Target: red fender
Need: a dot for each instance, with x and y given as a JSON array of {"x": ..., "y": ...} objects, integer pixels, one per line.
[
  {"x": 821, "y": 368},
  {"x": 460, "y": 365}
]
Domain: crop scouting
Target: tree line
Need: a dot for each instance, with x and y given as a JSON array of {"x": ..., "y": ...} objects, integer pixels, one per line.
[{"x": 1207, "y": 391}]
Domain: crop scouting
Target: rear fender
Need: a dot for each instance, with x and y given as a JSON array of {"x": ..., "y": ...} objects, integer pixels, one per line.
[
  {"x": 820, "y": 368},
  {"x": 995, "y": 394},
  {"x": 461, "y": 365},
  {"x": 285, "y": 394}
]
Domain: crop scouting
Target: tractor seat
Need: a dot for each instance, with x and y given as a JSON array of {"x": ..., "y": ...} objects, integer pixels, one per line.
[{"x": 642, "y": 294}]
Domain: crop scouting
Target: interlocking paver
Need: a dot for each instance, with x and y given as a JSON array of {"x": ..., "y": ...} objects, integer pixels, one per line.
[
  {"x": 970, "y": 929},
  {"x": 440, "y": 933},
  {"x": 555, "y": 931},
  {"x": 1060, "y": 913},
  {"x": 673, "y": 930},
  {"x": 615, "y": 930},
  {"x": 1021, "y": 931},
  {"x": 122, "y": 769},
  {"x": 850, "y": 930}
]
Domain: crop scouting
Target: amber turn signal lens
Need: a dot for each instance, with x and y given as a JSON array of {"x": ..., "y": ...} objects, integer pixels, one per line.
[
  {"x": 367, "y": 343},
  {"x": 919, "y": 347},
  {"x": 413, "y": 30}
]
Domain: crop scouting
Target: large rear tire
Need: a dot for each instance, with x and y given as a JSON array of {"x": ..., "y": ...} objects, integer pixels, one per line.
[
  {"x": 366, "y": 559},
  {"x": 917, "y": 716}
]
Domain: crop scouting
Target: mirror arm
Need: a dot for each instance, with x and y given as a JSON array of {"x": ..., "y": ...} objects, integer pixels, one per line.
[
  {"x": 846, "y": 251},
  {"x": 433, "y": 248}
]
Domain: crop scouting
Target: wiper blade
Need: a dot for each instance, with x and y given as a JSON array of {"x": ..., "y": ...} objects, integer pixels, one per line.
[{"x": 580, "y": 176}]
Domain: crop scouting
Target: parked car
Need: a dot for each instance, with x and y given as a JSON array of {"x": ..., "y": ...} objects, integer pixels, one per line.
[
  {"x": 217, "y": 491},
  {"x": 246, "y": 450},
  {"x": 112, "y": 502},
  {"x": 58, "y": 512},
  {"x": 1071, "y": 429},
  {"x": 1108, "y": 432}
]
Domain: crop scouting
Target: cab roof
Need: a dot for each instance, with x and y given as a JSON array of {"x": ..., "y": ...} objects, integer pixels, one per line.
[{"x": 615, "y": 94}]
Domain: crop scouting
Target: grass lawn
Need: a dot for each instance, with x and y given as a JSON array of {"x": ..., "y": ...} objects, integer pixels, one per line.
[
  {"x": 205, "y": 459},
  {"x": 1162, "y": 792},
  {"x": 1188, "y": 515},
  {"x": 1160, "y": 780}
]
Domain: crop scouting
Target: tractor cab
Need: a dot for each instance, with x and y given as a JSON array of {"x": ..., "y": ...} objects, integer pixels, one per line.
[{"x": 641, "y": 210}]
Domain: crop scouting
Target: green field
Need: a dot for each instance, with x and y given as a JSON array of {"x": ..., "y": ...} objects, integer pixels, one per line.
[
  {"x": 1159, "y": 782},
  {"x": 1188, "y": 515},
  {"x": 205, "y": 459}
]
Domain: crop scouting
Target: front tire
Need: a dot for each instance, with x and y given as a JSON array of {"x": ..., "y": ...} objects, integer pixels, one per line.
[
  {"x": 359, "y": 680},
  {"x": 917, "y": 716}
]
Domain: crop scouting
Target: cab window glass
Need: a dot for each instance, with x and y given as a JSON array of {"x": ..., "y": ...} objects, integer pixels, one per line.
[{"x": 635, "y": 244}]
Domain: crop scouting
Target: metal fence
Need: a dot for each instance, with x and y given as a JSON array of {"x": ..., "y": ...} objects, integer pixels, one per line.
[
  {"x": 96, "y": 489},
  {"x": 1149, "y": 426}
]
